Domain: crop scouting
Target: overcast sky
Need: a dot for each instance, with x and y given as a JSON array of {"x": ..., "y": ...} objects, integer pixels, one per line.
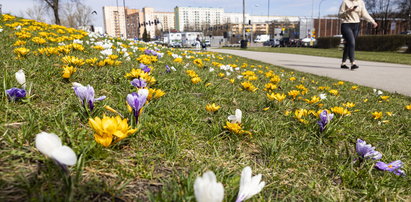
[{"x": 253, "y": 7}]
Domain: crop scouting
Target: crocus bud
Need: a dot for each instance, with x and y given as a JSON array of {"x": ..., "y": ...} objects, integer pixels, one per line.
[{"x": 21, "y": 78}]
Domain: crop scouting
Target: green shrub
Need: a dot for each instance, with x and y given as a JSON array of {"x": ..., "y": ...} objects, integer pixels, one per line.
[
  {"x": 328, "y": 42},
  {"x": 381, "y": 42},
  {"x": 371, "y": 43},
  {"x": 409, "y": 44}
]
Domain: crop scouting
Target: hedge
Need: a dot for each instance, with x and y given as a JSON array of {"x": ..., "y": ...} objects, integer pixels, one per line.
[
  {"x": 328, "y": 42},
  {"x": 370, "y": 43}
]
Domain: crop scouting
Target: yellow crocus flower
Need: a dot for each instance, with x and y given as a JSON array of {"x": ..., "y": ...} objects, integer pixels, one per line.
[
  {"x": 110, "y": 130},
  {"x": 377, "y": 115},
  {"x": 68, "y": 71},
  {"x": 212, "y": 107}
]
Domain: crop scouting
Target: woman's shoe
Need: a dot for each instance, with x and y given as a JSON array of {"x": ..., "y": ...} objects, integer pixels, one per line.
[
  {"x": 344, "y": 66},
  {"x": 354, "y": 66}
]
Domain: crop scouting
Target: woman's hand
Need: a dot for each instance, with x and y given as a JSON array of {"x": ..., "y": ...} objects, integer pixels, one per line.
[{"x": 374, "y": 25}]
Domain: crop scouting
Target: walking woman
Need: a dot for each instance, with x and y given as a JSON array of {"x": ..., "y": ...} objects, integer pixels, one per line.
[{"x": 351, "y": 11}]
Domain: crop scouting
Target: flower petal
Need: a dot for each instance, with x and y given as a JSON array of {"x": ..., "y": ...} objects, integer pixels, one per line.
[
  {"x": 64, "y": 155},
  {"x": 46, "y": 143}
]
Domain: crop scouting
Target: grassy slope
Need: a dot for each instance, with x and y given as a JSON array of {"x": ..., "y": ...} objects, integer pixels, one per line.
[
  {"x": 179, "y": 140},
  {"x": 390, "y": 57}
]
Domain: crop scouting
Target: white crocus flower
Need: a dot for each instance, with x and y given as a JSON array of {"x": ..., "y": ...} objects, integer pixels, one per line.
[
  {"x": 377, "y": 92},
  {"x": 50, "y": 145},
  {"x": 211, "y": 69},
  {"x": 78, "y": 41},
  {"x": 249, "y": 186},
  {"x": 21, "y": 78},
  {"x": 323, "y": 96},
  {"x": 237, "y": 117},
  {"x": 107, "y": 52},
  {"x": 173, "y": 68},
  {"x": 207, "y": 189}
]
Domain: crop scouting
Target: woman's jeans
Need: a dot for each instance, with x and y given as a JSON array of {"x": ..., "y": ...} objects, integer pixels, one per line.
[{"x": 350, "y": 32}]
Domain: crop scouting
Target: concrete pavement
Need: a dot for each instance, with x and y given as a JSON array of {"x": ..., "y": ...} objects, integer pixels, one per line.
[{"x": 385, "y": 76}]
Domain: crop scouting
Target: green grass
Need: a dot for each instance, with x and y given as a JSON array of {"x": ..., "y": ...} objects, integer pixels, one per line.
[
  {"x": 389, "y": 57},
  {"x": 179, "y": 140}
]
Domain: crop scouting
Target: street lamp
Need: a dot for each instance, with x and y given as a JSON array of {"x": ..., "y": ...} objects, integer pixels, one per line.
[
  {"x": 125, "y": 17},
  {"x": 268, "y": 11},
  {"x": 243, "y": 19},
  {"x": 319, "y": 19}
]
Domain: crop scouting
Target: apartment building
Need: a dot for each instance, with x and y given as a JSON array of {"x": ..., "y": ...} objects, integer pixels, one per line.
[
  {"x": 121, "y": 21},
  {"x": 197, "y": 19},
  {"x": 133, "y": 22},
  {"x": 114, "y": 21},
  {"x": 155, "y": 22}
]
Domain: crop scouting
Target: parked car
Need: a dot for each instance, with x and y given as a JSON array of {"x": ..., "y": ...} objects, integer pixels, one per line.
[
  {"x": 308, "y": 42},
  {"x": 285, "y": 42},
  {"x": 175, "y": 45},
  {"x": 262, "y": 38},
  {"x": 408, "y": 32},
  {"x": 207, "y": 43},
  {"x": 272, "y": 43}
]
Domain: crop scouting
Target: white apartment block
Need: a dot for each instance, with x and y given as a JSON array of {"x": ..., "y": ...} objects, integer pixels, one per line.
[
  {"x": 195, "y": 18},
  {"x": 265, "y": 19},
  {"x": 237, "y": 18},
  {"x": 114, "y": 21},
  {"x": 166, "y": 20}
]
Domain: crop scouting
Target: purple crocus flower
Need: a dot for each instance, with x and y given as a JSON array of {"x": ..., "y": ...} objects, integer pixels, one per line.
[
  {"x": 168, "y": 69},
  {"x": 393, "y": 167},
  {"x": 146, "y": 69},
  {"x": 139, "y": 83},
  {"x": 137, "y": 101},
  {"x": 324, "y": 119},
  {"x": 367, "y": 151},
  {"x": 148, "y": 52},
  {"x": 142, "y": 66},
  {"x": 16, "y": 93},
  {"x": 86, "y": 95}
]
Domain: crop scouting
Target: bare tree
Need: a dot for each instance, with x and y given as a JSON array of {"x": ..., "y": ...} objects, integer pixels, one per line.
[
  {"x": 382, "y": 10},
  {"x": 404, "y": 7},
  {"x": 68, "y": 13},
  {"x": 83, "y": 14},
  {"x": 76, "y": 14},
  {"x": 37, "y": 12},
  {"x": 54, "y": 5}
]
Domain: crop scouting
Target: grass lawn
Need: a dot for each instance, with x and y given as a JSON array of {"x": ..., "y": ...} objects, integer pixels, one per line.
[
  {"x": 390, "y": 57},
  {"x": 176, "y": 138}
]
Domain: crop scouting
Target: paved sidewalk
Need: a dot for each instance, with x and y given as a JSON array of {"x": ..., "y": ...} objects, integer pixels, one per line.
[{"x": 385, "y": 76}]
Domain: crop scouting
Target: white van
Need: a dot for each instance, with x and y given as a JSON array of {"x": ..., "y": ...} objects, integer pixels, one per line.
[{"x": 262, "y": 38}]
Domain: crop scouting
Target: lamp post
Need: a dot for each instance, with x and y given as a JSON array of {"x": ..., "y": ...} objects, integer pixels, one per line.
[
  {"x": 125, "y": 18},
  {"x": 268, "y": 11},
  {"x": 409, "y": 18},
  {"x": 243, "y": 19},
  {"x": 319, "y": 18}
]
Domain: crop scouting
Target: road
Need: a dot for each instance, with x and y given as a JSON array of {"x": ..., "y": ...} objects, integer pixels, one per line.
[{"x": 385, "y": 76}]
